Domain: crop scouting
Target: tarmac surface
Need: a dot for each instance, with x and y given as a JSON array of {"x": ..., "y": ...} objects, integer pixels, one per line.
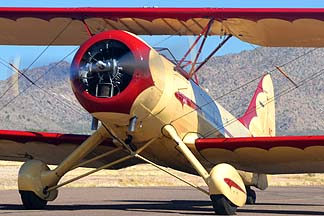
[{"x": 165, "y": 201}]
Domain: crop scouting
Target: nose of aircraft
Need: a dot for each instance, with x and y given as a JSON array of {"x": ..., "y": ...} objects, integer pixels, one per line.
[{"x": 109, "y": 71}]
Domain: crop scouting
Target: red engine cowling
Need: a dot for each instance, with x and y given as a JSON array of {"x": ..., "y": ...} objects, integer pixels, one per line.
[{"x": 109, "y": 71}]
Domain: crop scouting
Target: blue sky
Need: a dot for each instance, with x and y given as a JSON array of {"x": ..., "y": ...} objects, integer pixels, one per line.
[{"x": 28, "y": 54}]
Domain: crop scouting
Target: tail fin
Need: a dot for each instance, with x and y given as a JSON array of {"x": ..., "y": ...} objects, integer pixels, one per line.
[{"x": 260, "y": 115}]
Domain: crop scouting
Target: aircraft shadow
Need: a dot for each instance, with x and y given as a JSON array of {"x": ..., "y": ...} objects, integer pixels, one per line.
[
  {"x": 288, "y": 204},
  {"x": 280, "y": 212},
  {"x": 190, "y": 207}
]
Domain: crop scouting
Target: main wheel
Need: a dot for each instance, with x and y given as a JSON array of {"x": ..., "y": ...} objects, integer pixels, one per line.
[
  {"x": 250, "y": 196},
  {"x": 222, "y": 206},
  {"x": 31, "y": 201}
]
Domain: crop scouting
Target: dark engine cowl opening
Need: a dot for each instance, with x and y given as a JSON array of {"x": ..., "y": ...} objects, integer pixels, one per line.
[
  {"x": 110, "y": 70},
  {"x": 103, "y": 68}
]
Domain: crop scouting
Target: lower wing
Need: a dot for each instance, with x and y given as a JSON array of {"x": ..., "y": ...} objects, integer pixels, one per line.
[
  {"x": 270, "y": 155},
  {"x": 52, "y": 148}
]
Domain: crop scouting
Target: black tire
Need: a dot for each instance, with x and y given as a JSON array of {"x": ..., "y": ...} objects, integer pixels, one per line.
[
  {"x": 31, "y": 201},
  {"x": 250, "y": 196},
  {"x": 222, "y": 206}
]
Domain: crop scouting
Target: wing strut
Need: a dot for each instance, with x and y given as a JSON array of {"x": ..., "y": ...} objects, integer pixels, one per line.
[
  {"x": 204, "y": 33},
  {"x": 200, "y": 48},
  {"x": 87, "y": 28},
  {"x": 211, "y": 54}
]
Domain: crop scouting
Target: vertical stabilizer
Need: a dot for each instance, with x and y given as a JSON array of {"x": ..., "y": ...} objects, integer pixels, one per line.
[{"x": 260, "y": 115}]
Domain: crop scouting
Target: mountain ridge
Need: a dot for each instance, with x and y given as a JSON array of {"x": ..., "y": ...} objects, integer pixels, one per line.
[{"x": 231, "y": 79}]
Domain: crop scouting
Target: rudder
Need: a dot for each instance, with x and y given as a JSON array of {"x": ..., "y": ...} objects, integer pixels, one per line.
[{"x": 260, "y": 115}]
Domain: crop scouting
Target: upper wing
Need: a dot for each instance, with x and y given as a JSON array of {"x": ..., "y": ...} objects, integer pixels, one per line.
[
  {"x": 53, "y": 148},
  {"x": 271, "y": 155},
  {"x": 71, "y": 26}
]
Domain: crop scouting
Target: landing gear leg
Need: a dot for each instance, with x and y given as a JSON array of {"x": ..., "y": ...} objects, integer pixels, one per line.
[
  {"x": 35, "y": 177},
  {"x": 250, "y": 196},
  {"x": 226, "y": 187}
]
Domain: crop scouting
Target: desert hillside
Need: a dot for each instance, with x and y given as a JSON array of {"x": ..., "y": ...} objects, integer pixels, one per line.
[{"x": 53, "y": 107}]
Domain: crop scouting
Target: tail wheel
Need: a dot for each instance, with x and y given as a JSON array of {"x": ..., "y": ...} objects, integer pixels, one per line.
[
  {"x": 31, "y": 201},
  {"x": 250, "y": 196},
  {"x": 222, "y": 206}
]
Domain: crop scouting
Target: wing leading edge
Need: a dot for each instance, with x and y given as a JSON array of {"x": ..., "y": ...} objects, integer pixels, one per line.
[
  {"x": 271, "y": 155},
  {"x": 70, "y": 26}
]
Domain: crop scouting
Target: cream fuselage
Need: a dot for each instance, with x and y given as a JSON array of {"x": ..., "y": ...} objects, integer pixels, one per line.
[{"x": 173, "y": 99}]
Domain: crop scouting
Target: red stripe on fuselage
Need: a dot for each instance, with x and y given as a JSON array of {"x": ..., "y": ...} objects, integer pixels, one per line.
[{"x": 185, "y": 100}]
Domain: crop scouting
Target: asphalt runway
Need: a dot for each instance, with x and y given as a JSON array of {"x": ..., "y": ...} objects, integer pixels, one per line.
[{"x": 165, "y": 201}]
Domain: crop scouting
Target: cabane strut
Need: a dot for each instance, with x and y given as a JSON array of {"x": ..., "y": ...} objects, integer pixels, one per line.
[{"x": 203, "y": 34}]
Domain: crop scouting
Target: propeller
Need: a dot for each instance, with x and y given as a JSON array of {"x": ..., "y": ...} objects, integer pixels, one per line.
[{"x": 107, "y": 68}]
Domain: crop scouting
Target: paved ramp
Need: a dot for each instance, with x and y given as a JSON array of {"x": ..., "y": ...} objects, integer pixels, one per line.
[{"x": 152, "y": 201}]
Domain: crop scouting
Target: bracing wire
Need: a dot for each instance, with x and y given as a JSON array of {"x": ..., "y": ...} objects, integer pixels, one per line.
[
  {"x": 245, "y": 84},
  {"x": 34, "y": 83},
  {"x": 220, "y": 97},
  {"x": 21, "y": 73},
  {"x": 33, "y": 62},
  {"x": 280, "y": 94}
]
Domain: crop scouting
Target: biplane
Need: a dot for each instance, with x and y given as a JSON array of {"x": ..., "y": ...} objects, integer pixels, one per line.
[{"x": 149, "y": 108}]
